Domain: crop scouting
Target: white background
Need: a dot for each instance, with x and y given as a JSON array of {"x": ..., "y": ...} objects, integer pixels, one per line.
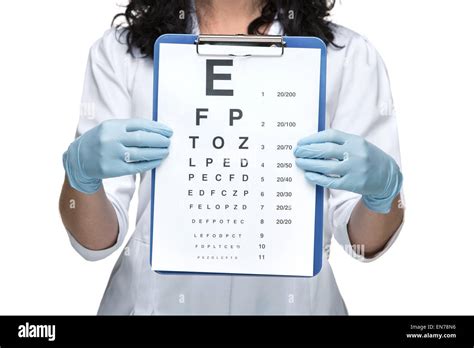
[{"x": 427, "y": 46}]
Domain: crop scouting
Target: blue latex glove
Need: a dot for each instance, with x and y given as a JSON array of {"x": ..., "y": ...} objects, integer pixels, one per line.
[
  {"x": 342, "y": 161},
  {"x": 115, "y": 148}
]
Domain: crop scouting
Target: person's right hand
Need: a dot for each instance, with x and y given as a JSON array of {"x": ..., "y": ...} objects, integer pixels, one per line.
[{"x": 115, "y": 148}]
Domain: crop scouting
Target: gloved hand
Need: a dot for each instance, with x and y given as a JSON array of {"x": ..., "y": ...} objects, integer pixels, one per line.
[
  {"x": 115, "y": 148},
  {"x": 342, "y": 161}
]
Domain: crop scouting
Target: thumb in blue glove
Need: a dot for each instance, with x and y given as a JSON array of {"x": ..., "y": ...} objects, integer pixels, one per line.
[
  {"x": 342, "y": 161},
  {"x": 115, "y": 148}
]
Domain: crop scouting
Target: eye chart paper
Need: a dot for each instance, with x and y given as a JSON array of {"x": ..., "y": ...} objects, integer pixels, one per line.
[{"x": 229, "y": 197}]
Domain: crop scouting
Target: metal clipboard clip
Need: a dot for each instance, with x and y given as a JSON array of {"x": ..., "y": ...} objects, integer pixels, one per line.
[{"x": 240, "y": 45}]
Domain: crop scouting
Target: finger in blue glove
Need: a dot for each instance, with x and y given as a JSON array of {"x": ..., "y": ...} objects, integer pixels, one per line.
[
  {"x": 342, "y": 161},
  {"x": 115, "y": 148}
]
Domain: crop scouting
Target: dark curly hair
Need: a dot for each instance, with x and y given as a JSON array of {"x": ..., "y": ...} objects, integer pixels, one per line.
[{"x": 146, "y": 20}]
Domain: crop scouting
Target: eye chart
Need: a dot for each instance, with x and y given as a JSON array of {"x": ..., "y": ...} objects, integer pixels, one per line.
[{"x": 229, "y": 198}]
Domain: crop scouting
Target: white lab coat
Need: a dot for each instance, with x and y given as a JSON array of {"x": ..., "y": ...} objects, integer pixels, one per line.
[{"x": 117, "y": 85}]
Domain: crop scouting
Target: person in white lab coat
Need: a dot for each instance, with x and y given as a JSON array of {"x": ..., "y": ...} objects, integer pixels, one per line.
[{"x": 362, "y": 201}]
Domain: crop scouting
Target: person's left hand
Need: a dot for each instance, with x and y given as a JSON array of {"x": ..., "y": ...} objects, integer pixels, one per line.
[{"x": 342, "y": 161}]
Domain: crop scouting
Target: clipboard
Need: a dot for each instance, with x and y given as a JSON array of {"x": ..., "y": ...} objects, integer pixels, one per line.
[{"x": 246, "y": 47}]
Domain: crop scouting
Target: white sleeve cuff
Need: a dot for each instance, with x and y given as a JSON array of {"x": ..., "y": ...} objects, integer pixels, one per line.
[
  {"x": 96, "y": 255},
  {"x": 341, "y": 233}
]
